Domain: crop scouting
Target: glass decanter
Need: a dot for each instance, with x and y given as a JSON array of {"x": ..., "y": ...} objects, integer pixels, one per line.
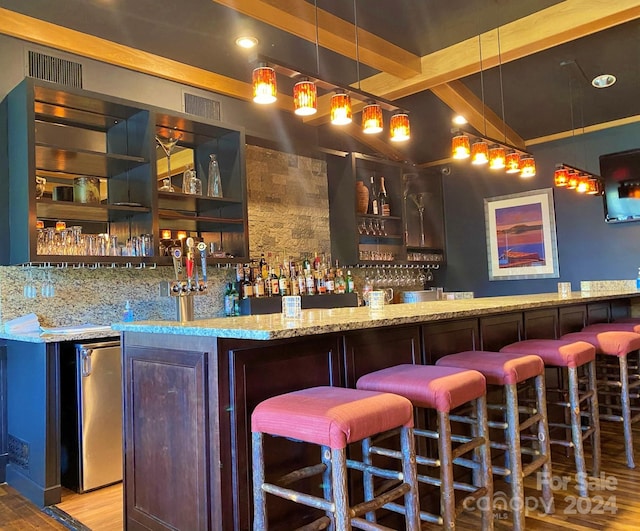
[
  {"x": 190, "y": 182},
  {"x": 214, "y": 181}
]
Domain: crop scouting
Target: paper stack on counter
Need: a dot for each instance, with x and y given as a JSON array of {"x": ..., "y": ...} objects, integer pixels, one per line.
[
  {"x": 76, "y": 329},
  {"x": 22, "y": 325}
]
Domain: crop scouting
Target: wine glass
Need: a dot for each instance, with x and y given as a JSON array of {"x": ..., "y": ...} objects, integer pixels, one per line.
[
  {"x": 168, "y": 144},
  {"x": 418, "y": 200}
]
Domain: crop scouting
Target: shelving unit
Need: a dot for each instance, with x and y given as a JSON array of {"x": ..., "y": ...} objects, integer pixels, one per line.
[
  {"x": 368, "y": 239},
  {"x": 61, "y": 133}
]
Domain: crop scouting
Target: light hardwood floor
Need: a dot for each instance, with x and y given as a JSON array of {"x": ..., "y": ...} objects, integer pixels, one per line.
[{"x": 99, "y": 510}]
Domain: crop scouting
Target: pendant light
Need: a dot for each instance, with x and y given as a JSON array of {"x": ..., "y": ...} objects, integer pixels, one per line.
[
  {"x": 479, "y": 152},
  {"x": 497, "y": 156},
  {"x": 561, "y": 176},
  {"x": 527, "y": 167},
  {"x": 460, "y": 146},
  {"x": 572, "y": 183},
  {"x": 305, "y": 98},
  {"x": 399, "y": 126},
  {"x": 264, "y": 85},
  {"x": 341, "y": 109},
  {"x": 512, "y": 162},
  {"x": 372, "y": 118}
]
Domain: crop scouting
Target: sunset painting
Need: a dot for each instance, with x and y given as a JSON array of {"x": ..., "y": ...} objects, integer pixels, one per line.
[{"x": 521, "y": 238}]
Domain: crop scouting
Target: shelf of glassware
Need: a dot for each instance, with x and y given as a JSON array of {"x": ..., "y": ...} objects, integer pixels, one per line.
[{"x": 379, "y": 238}]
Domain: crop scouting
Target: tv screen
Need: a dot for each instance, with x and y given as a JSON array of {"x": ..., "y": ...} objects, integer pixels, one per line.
[{"x": 620, "y": 173}]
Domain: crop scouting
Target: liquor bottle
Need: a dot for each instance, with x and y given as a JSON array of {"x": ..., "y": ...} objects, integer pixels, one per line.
[
  {"x": 283, "y": 282},
  {"x": 310, "y": 282},
  {"x": 305, "y": 263},
  {"x": 274, "y": 282},
  {"x": 385, "y": 209},
  {"x": 340, "y": 284},
  {"x": 350, "y": 284},
  {"x": 258, "y": 286},
  {"x": 229, "y": 307},
  {"x": 366, "y": 290},
  {"x": 302, "y": 283},
  {"x": 330, "y": 281},
  {"x": 247, "y": 285},
  {"x": 264, "y": 268},
  {"x": 294, "y": 287},
  {"x": 235, "y": 297},
  {"x": 375, "y": 210},
  {"x": 321, "y": 285}
]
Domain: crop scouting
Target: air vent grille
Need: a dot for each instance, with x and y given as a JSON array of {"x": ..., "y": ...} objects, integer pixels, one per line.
[
  {"x": 50, "y": 68},
  {"x": 203, "y": 107}
]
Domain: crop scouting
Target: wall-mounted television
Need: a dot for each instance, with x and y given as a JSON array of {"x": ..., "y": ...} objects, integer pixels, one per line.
[{"x": 620, "y": 173}]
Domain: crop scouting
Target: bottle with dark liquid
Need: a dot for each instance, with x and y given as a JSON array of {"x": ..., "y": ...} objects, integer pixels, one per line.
[
  {"x": 385, "y": 209},
  {"x": 375, "y": 207}
]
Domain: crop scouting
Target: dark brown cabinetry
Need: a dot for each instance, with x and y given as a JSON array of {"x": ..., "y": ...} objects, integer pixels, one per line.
[
  {"x": 413, "y": 232},
  {"x": 103, "y": 150}
]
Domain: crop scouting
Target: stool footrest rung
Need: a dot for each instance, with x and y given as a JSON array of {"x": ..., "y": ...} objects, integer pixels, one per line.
[
  {"x": 374, "y": 470},
  {"x": 467, "y": 447},
  {"x": 534, "y": 419},
  {"x": 534, "y": 465},
  {"x": 424, "y": 515},
  {"x": 321, "y": 523},
  {"x": 302, "y": 473},
  {"x": 299, "y": 497}
]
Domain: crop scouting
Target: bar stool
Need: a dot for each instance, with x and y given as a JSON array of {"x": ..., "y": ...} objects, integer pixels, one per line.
[
  {"x": 570, "y": 356},
  {"x": 509, "y": 371},
  {"x": 616, "y": 345},
  {"x": 332, "y": 418},
  {"x": 445, "y": 389}
]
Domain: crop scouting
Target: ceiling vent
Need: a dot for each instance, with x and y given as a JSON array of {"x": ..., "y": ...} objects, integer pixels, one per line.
[
  {"x": 201, "y": 106},
  {"x": 55, "y": 69}
]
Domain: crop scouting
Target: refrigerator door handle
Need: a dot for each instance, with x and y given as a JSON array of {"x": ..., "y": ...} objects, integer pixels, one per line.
[{"x": 85, "y": 353}]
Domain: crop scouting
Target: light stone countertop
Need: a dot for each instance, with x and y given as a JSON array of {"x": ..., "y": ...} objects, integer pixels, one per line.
[
  {"x": 37, "y": 337},
  {"x": 322, "y": 321}
]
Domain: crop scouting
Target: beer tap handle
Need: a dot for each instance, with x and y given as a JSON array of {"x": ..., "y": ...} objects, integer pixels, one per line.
[
  {"x": 176, "y": 255},
  {"x": 202, "y": 248},
  {"x": 189, "y": 264}
]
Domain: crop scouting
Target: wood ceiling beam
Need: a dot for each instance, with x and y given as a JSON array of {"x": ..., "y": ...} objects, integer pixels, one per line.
[
  {"x": 459, "y": 97},
  {"x": 299, "y": 18},
  {"x": 556, "y": 25}
]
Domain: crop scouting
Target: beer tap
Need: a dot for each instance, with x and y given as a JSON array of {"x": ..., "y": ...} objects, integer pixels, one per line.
[
  {"x": 202, "y": 248},
  {"x": 189, "y": 263},
  {"x": 176, "y": 255}
]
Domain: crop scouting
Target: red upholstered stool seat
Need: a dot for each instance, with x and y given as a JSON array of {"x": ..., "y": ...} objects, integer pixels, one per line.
[
  {"x": 615, "y": 381},
  {"x": 511, "y": 372},
  {"x": 332, "y": 418},
  {"x": 498, "y": 368},
  {"x": 427, "y": 386},
  {"x": 444, "y": 389},
  {"x": 616, "y": 326},
  {"x": 571, "y": 358}
]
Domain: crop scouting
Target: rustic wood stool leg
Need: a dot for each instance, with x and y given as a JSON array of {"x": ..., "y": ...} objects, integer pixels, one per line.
[
  {"x": 410, "y": 476},
  {"x": 447, "y": 494},
  {"x": 259, "y": 496},
  {"x": 594, "y": 413},
  {"x": 576, "y": 431},
  {"x": 327, "y": 487},
  {"x": 342, "y": 519},
  {"x": 545, "y": 442},
  {"x": 512, "y": 437},
  {"x": 626, "y": 410},
  {"x": 367, "y": 477},
  {"x": 484, "y": 476}
]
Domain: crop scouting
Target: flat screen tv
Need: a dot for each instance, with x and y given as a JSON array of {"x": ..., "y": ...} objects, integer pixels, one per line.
[{"x": 620, "y": 173}]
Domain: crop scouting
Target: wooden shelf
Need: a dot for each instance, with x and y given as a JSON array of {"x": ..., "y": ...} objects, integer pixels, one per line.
[
  {"x": 83, "y": 162},
  {"x": 68, "y": 210}
]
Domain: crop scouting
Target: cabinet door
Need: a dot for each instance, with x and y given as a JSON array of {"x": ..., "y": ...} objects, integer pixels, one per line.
[
  {"x": 166, "y": 468},
  {"x": 442, "y": 339},
  {"x": 572, "y": 318},
  {"x": 541, "y": 324},
  {"x": 376, "y": 349},
  {"x": 500, "y": 330},
  {"x": 620, "y": 308},
  {"x": 257, "y": 371},
  {"x": 598, "y": 312}
]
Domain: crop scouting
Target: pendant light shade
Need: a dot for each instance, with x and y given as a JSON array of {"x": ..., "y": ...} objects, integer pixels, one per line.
[
  {"x": 513, "y": 162},
  {"x": 572, "y": 183},
  {"x": 527, "y": 167},
  {"x": 497, "y": 156},
  {"x": 479, "y": 152},
  {"x": 561, "y": 177},
  {"x": 583, "y": 184},
  {"x": 264, "y": 85},
  {"x": 399, "y": 126},
  {"x": 593, "y": 187},
  {"x": 341, "y": 109},
  {"x": 372, "y": 119},
  {"x": 460, "y": 147},
  {"x": 305, "y": 98}
]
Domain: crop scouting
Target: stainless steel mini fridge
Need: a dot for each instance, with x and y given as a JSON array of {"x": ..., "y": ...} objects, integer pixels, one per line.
[{"x": 92, "y": 441}]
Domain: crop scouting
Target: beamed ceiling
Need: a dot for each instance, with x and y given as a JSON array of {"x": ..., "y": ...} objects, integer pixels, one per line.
[{"x": 518, "y": 69}]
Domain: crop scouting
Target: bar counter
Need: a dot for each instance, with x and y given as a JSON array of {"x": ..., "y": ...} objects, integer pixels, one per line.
[
  {"x": 189, "y": 389},
  {"x": 323, "y": 321}
]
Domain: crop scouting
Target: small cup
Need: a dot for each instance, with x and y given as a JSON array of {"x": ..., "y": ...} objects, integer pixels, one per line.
[
  {"x": 376, "y": 300},
  {"x": 292, "y": 307},
  {"x": 564, "y": 290}
]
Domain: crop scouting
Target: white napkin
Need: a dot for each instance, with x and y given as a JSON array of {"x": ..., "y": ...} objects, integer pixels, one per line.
[{"x": 24, "y": 324}]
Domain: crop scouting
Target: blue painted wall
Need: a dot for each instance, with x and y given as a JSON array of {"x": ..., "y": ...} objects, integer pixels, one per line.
[{"x": 588, "y": 248}]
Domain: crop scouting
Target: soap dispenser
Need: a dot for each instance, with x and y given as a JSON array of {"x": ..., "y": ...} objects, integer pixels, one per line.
[{"x": 127, "y": 314}]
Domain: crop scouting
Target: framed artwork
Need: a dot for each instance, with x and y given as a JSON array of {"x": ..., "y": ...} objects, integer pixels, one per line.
[{"x": 521, "y": 236}]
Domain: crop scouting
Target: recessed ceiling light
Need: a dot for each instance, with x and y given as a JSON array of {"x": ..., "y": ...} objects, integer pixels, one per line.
[
  {"x": 603, "y": 81},
  {"x": 246, "y": 42},
  {"x": 459, "y": 120}
]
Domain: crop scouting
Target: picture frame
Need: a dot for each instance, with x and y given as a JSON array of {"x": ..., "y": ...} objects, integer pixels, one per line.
[{"x": 521, "y": 236}]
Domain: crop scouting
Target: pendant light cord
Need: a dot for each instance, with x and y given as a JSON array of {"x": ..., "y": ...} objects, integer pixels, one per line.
[
  {"x": 484, "y": 118},
  {"x": 355, "y": 24},
  {"x": 504, "y": 123},
  {"x": 315, "y": 5}
]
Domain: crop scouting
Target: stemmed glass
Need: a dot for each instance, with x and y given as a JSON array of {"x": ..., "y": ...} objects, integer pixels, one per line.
[
  {"x": 167, "y": 145},
  {"x": 418, "y": 200}
]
